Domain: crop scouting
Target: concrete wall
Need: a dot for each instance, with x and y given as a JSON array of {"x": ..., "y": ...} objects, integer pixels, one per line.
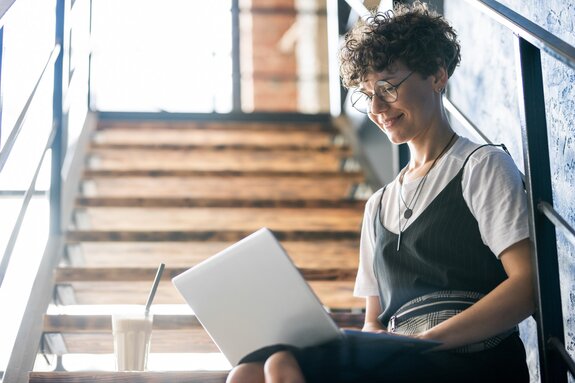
[{"x": 485, "y": 89}]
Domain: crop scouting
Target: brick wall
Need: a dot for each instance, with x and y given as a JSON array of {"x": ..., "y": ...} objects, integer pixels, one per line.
[{"x": 272, "y": 62}]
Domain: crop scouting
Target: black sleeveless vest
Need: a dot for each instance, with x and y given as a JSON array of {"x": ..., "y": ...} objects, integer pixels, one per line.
[{"x": 441, "y": 250}]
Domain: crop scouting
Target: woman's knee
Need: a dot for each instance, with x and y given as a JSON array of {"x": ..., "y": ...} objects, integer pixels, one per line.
[
  {"x": 247, "y": 373},
  {"x": 282, "y": 367}
]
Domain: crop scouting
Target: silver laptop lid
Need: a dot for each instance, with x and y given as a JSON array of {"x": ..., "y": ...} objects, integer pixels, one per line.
[{"x": 251, "y": 295}]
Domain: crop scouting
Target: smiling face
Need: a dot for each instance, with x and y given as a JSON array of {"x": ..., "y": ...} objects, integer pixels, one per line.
[{"x": 418, "y": 106}]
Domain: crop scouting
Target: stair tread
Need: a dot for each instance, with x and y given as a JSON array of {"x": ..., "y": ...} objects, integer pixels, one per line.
[
  {"x": 203, "y": 202},
  {"x": 123, "y": 274},
  {"x": 125, "y": 377},
  {"x": 245, "y": 187},
  {"x": 158, "y": 174},
  {"x": 221, "y": 137},
  {"x": 208, "y": 125},
  {"x": 204, "y": 235},
  {"x": 220, "y": 219},
  {"x": 83, "y": 323},
  {"x": 238, "y": 160},
  {"x": 332, "y": 294},
  {"x": 163, "y": 341},
  {"x": 326, "y": 254}
]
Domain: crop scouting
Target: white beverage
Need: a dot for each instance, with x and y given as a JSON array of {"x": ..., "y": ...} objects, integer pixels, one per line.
[{"x": 132, "y": 333}]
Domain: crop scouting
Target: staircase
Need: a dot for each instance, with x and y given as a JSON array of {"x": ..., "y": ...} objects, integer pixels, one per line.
[{"x": 178, "y": 192}]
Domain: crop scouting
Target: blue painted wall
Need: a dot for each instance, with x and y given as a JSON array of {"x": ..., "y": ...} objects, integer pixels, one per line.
[{"x": 485, "y": 89}]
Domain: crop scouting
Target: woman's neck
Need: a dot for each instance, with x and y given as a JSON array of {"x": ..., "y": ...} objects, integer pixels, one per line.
[{"x": 425, "y": 150}]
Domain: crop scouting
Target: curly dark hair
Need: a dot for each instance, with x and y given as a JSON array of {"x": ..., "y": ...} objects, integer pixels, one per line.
[{"x": 412, "y": 34}]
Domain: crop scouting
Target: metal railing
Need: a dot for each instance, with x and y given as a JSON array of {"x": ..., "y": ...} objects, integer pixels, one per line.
[
  {"x": 531, "y": 39},
  {"x": 27, "y": 340},
  {"x": 52, "y": 66},
  {"x": 4, "y": 155}
]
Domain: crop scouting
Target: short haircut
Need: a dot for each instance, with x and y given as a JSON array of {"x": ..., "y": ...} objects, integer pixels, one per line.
[{"x": 412, "y": 34}]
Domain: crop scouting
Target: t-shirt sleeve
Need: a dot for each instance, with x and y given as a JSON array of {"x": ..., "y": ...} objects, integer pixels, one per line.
[
  {"x": 365, "y": 283},
  {"x": 494, "y": 192}
]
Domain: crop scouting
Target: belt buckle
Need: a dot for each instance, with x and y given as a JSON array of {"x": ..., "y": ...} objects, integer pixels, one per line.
[{"x": 391, "y": 323}]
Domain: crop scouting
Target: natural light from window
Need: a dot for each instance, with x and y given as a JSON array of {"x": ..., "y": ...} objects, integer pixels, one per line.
[{"x": 173, "y": 57}]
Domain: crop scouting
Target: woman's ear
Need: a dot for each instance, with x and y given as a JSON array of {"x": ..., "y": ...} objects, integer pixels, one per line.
[{"x": 440, "y": 79}]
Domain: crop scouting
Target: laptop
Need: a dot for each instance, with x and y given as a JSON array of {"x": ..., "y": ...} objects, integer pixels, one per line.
[{"x": 250, "y": 296}]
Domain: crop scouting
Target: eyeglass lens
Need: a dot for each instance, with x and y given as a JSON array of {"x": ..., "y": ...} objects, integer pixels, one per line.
[{"x": 384, "y": 91}]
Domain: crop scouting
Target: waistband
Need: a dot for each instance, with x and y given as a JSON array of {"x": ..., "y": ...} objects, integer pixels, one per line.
[{"x": 424, "y": 312}]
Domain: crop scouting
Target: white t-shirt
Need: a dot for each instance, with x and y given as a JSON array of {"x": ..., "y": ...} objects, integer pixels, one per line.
[{"x": 492, "y": 189}]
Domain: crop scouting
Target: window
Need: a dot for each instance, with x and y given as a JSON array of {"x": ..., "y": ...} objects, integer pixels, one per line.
[{"x": 174, "y": 56}]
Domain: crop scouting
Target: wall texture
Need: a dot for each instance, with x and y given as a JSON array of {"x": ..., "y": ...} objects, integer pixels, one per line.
[{"x": 485, "y": 89}]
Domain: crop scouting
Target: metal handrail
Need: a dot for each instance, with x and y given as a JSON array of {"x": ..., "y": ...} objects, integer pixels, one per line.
[
  {"x": 359, "y": 8},
  {"x": 531, "y": 40},
  {"x": 463, "y": 120},
  {"x": 557, "y": 220},
  {"x": 4, "y": 8},
  {"x": 5, "y": 152},
  {"x": 560, "y": 348},
  {"x": 528, "y": 30},
  {"x": 21, "y": 214}
]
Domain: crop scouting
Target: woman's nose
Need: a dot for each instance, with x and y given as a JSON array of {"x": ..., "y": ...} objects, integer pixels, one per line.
[{"x": 378, "y": 105}]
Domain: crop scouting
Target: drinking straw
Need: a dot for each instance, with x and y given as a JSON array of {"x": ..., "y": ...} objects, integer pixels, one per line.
[{"x": 154, "y": 287}]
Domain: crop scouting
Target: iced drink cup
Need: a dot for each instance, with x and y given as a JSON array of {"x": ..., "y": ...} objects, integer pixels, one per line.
[{"x": 132, "y": 332}]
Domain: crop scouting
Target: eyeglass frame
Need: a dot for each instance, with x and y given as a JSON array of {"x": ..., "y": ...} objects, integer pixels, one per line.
[{"x": 377, "y": 85}]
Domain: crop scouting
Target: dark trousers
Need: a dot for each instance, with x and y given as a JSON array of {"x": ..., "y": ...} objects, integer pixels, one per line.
[{"x": 350, "y": 360}]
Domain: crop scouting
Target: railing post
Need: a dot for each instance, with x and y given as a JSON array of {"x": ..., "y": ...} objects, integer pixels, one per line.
[
  {"x": 57, "y": 110},
  {"x": 538, "y": 176},
  {"x": 236, "y": 70},
  {"x": 1, "y": 89},
  {"x": 90, "y": 57}
]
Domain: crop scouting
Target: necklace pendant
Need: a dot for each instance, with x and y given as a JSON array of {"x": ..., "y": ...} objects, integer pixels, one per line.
[{"x": 407, "y": 213}]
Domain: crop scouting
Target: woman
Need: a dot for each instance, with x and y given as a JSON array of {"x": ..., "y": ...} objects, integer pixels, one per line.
[{"x": 444, "y": 253}]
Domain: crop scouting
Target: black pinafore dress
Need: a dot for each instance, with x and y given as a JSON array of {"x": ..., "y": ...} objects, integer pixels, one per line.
[
  {"x": 441, "y": 250},
  {"x": 441, "y": 255}
]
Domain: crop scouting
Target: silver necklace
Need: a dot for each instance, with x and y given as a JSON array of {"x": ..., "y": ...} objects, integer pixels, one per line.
[{"x": 409, "y": 207}]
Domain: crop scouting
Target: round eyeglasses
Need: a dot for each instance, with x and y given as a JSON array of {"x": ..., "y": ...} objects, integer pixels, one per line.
[{"x": 384, "y": 90}]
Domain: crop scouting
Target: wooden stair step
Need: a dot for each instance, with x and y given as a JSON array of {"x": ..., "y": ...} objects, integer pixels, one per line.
[
  {"x": 215, "y": 125},
  {"x": 127, "y": 274},
  {"x": 220, "y": 219},
  {"x": 103, "y": 323},
  {"x": 332, "y": 294},
  {"x": 222, "y": 148},
  {"x": 222, "y": 187},
  {"x": 159, "y": 174},
  {"x": 129, "y": 377},
  {"x": 235, "y": 160},
  {"x": 214, "y": 202},
  {"x": 328, "y": 254},
  {"x": 272, "y": 139},
  {"x": 165, "y": 341},
  {"x": 203, "y": 235}
]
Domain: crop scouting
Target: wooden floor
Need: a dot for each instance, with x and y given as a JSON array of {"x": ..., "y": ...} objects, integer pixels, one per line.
[{"x": 179, "y": 192}]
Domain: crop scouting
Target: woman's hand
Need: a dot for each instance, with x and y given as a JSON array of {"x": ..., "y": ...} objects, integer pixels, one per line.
[{"x": 501, "y": 309}]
